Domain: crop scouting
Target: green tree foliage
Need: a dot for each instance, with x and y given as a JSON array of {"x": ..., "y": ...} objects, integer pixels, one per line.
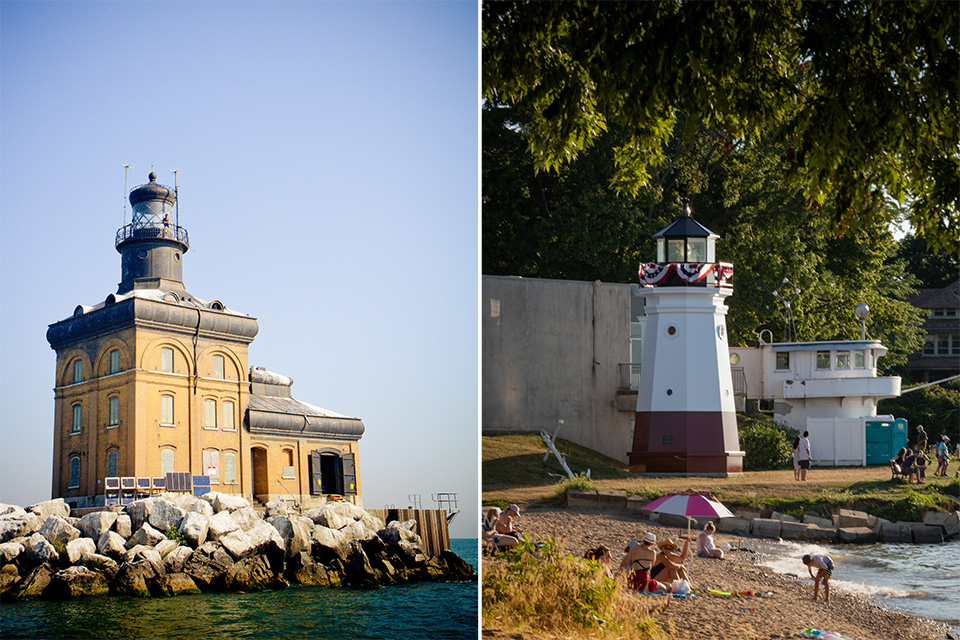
[
  {"x": 860, "y": 97},
  {"x": 572, "y": 224},
  {"x": 932, "y": 270},
  {"x": 936, "y": 407},
  {"x": 765, "y": 445}
]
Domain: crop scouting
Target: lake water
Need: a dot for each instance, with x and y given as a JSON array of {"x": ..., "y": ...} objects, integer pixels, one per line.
[
  {"x": 918, "y": 579},
  {"x": 422, "y": 610}
]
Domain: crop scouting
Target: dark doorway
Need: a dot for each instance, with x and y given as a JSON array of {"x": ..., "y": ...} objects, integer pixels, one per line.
[{"x": 261, "y": 482}]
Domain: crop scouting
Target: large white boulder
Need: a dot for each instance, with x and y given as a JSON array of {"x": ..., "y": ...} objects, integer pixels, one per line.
[
  {"x": 10, "y": 550},
  {"x": 123, "y": 526},
  {"x": 296, "y": 532},
  {"x": 247, "y": 518},
  {"x": 176, "y": 559},
  {"x": 6, "y": 509},
  {"x": 47, "y": 508},
  {"x": 147, "y": 536},
  {"x": 331, "y": 540},
  {"x": 139, "y": 512},
  {"x": 357, "y": 531},
  {"x": 165, "y": 547},
  {"x": 194, "y": 527},
  {"x": 93, "y": 525},
  {"x": 37, "y": 550},
  {"x": 58, "y": 531},
  {"x": 225, "y": 501},
  {"x": 265, "y": 534},
  {"x": 18, "y": 525},
  {"x": 111, "y": 544},
  {"x": 80, "y": 548},
  {"x": 221, "y": 524},
  {"x": 165, "y": 515},
  {"x": 238, "y": 544}
]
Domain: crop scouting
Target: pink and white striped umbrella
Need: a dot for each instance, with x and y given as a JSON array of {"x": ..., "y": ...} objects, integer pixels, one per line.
[{"x": 694, "y": 506}]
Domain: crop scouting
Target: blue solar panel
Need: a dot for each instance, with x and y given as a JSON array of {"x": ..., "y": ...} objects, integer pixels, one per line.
[{"x": 201, "y": 485}]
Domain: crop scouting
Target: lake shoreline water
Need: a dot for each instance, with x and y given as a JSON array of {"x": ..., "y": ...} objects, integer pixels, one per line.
[{"x": 783, "y": 609}]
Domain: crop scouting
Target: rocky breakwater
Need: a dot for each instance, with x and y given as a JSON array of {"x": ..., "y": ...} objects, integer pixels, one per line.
[{"x": 177, "y": 543}]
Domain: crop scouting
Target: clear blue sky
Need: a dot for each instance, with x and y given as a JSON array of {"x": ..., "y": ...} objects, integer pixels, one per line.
[{"x": 329, "y": 182}]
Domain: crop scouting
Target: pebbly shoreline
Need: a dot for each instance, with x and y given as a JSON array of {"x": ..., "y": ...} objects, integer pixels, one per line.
[
  {"x": 177, "y": 543},
  {"x": 784, "y": 609}
]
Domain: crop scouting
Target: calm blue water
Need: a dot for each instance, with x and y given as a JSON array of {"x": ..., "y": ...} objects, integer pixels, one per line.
[
  {"x": 423, "y": 610},
  {"x": 918, "y": 579}
]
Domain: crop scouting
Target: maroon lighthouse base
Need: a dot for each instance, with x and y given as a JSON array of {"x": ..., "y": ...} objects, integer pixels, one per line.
[{"x": 702, "y": 443}]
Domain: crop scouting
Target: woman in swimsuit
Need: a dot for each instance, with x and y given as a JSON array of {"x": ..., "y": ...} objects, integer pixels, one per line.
[
  {"x": 671, "y": 566},
  {"x": 639, "y": 559}
]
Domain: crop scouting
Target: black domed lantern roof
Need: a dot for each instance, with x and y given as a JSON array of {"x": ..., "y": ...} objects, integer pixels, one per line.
[
  {"x": 152, "y": 191},
  {"x": 686, "y": 240}
]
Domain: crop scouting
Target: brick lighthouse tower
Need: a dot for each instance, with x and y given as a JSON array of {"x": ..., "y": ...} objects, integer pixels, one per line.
[{"x": 686, "y": 422}]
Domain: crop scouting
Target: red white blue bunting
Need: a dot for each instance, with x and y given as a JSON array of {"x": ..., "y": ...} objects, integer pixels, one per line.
[{"x": 653, "y": 273}]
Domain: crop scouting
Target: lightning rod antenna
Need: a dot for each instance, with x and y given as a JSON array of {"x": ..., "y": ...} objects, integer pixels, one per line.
[
  {"x": 176, "y": 194},
  {"x": 126, "y": 168}
]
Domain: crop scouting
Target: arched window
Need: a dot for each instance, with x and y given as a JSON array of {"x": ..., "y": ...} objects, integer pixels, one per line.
[
  {"x": 74, "y": 471},
  {"x": 77, "y": 418},
  {"x": 112, "y": 463},
  {"x": 77, "y": 371},
  {"x": 288, "y": 471},
  {"x": 114, "y": 417},
  {"x": 166, "y": 410},
  {"x": 229, "y": 416},
  {"x": 218, "y": 368},
  {"x": 229, "y": 467},
  {"x": 167, "y": 459},
  {"x": 115, "y": 361},
  {"x": 166, "y": 359}
]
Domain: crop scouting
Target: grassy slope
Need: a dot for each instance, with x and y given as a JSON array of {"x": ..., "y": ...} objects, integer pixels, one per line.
[{"x": 514, "y": 471}]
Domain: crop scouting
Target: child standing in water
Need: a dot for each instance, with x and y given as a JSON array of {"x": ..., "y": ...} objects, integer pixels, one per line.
[{"x": 824, "y": 567}]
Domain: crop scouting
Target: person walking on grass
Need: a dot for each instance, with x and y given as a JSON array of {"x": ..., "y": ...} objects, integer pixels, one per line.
[
  {"x": 824, "y": 565},
  {"x": 796, "y": 458},
  {"x": 921, "y": 438},
  {"x": 943, "y": 457},
  {"x": 804, "y": 455}
]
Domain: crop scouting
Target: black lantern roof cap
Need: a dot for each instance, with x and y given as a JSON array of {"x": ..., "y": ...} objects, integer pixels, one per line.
[
  {"x": 685, "y": 227},
  {"x": 153, "y": 190}
]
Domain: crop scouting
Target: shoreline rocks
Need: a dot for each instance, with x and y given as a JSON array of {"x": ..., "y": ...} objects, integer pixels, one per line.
[
  {"x": 172, "y": 544},
  {"x": 847, "y": 526}
]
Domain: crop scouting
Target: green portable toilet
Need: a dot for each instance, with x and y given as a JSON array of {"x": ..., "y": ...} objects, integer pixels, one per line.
[{"x": 885, "y": 437}]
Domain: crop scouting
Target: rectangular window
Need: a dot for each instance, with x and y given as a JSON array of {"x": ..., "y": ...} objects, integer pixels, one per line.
[
  {"x": 167, "y": 457},
  {"x": 843, "y": 359},
  {"x": 166, "y": 360},
  {"x": 166, "y": 410},
  {"x": 77, "y": 371},
  {"x": 950, "y": 313},
  {"x": 858, "y": 359},
  {"x": 111, "y": 464},
  {"x": 955, "y": 345},
  {"x": 783, "y": 360},
  {"x": 938, "y": 313},
  {"x": 114, "y": 419},
  {"x": 696, "y": 249},
  {"x": 209, "y": 414},
  {"x": 674, "y": 250},
  {"x": 229, "y": 468},
  {"x": 229, "y": 420},
  {"x": 943, "y": 345},
  {"x": 115, "y": 361},
  {"x": 218, "y": 367},
  {"x": 928, "y": 346},
  {"x": 823, "y": 359},
  {"x": 211, "y": 465},
  {"x": 77, "y": 417}
]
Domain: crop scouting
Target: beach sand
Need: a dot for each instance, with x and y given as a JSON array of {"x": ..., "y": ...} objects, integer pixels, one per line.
[{"x": 783, "y": 612}]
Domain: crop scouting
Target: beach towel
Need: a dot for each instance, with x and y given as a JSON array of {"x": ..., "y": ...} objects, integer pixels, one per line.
[{"x": 823, "y": 635}]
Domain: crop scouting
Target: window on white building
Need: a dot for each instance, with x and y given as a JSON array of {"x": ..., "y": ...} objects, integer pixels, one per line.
[
  {"x": 858, "y": 360},
  {"x": 229, "y": 467},
  {"x": 823, "y": 359},
  {"x": 843, "y": 359},
  {"x": 783, "y": 360},
  {"x": 211, "y": 465},
  {"x": 167, "y": 459}
]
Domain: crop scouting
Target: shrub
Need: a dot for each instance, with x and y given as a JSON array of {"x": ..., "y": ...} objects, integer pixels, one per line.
[
  {"x": 579, "y": 482},
  {"x": 766, "y": 445},
  {"x": 535, "y": 587},
  {"x": 936, "y": 407}
]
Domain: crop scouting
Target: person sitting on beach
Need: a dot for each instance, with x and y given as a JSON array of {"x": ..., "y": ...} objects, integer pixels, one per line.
[
  {"x": 490, "y": 535},
  {"x": 921, "y": 464},
  {"x": 602, "y": 555},
  {"x": 639, "y": 559},
  {"x": 504, "y": 524},
  {"x": 705, "y": 546},
  {"x": 671, "y": 567},
  {"x": 824, "y": 567}
]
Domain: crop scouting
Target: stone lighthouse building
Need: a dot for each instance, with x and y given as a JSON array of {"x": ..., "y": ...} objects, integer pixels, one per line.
[
  {"x": 686, "y": 420},
  {"x": 154, "y": 381}
]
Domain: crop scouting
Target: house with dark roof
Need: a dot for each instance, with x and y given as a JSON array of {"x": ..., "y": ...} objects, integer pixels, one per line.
[{"x": 940, "y": 356}]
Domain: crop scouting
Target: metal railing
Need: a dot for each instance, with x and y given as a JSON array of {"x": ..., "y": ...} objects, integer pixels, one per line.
[
  {"x": 629, "y": 377},
  {"x": 169, "y": 232}
]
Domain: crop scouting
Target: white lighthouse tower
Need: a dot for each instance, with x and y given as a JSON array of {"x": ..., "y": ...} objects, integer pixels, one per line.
[{"x": 686, "y": 421}]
